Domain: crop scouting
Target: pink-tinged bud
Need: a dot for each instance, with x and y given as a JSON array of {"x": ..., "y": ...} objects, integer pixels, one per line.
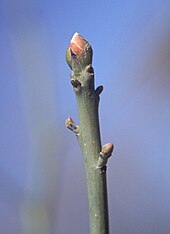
[
  {"x": 77, "y": 44},
  {"x": 107, "y": 150},
  {"x": 79, "y": 53},
  {"x": 105, "y": 153}
]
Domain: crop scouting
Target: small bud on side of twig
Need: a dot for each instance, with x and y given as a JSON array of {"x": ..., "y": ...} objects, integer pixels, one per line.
[
  {"x": 70, "y": 124},
  {"x": 79, "y": 53},
  {"x": 105, "y": 153},
  {"x": 76, "y": 85},
  {"x": 89, "y": 69},
  {"x": 99, "y": 90}
]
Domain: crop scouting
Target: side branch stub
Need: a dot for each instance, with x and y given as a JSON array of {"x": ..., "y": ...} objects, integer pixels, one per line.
[{"x": 70, "y": 124}]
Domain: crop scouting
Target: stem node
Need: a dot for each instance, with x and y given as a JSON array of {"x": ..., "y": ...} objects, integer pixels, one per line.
[
  {"x": 105, "y": 153},
  {"x": 70, "y": 124}
]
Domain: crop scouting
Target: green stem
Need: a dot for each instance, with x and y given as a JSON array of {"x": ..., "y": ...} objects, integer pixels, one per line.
[
  {"x": 90, "y": 143},
  {"x": 88, "y": 134}
]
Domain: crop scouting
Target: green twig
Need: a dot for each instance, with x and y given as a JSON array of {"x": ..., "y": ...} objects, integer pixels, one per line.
[{"x": 79, "y": 58}]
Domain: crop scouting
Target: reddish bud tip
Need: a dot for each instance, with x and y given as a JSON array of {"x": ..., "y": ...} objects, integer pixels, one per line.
[
  {"x": 79, "y": 53},
  {"x": 77, "y": 44}
]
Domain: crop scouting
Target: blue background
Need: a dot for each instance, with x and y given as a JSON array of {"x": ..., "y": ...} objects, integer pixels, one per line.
[{"x": 42, "y": 179}]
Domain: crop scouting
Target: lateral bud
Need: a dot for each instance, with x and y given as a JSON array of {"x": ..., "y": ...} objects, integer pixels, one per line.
[
  {"x": 76, "y": 85},
  {"x": 99, "y": 90},
  {"x": 70, "y": 124},
  {"x": 105, "y": 153}
]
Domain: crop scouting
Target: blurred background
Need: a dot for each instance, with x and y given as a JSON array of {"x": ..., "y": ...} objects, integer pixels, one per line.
[{"x": 42, "y": 178}]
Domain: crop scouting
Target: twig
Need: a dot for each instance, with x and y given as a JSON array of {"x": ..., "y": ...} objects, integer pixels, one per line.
[{"x": 79, "y": 58}]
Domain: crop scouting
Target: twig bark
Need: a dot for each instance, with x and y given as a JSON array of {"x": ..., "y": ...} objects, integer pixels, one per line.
[{"x": 79, "y": 58}]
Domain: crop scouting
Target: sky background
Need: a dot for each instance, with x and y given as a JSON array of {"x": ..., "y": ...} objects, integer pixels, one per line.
[{"x": 42, "y": 179}]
